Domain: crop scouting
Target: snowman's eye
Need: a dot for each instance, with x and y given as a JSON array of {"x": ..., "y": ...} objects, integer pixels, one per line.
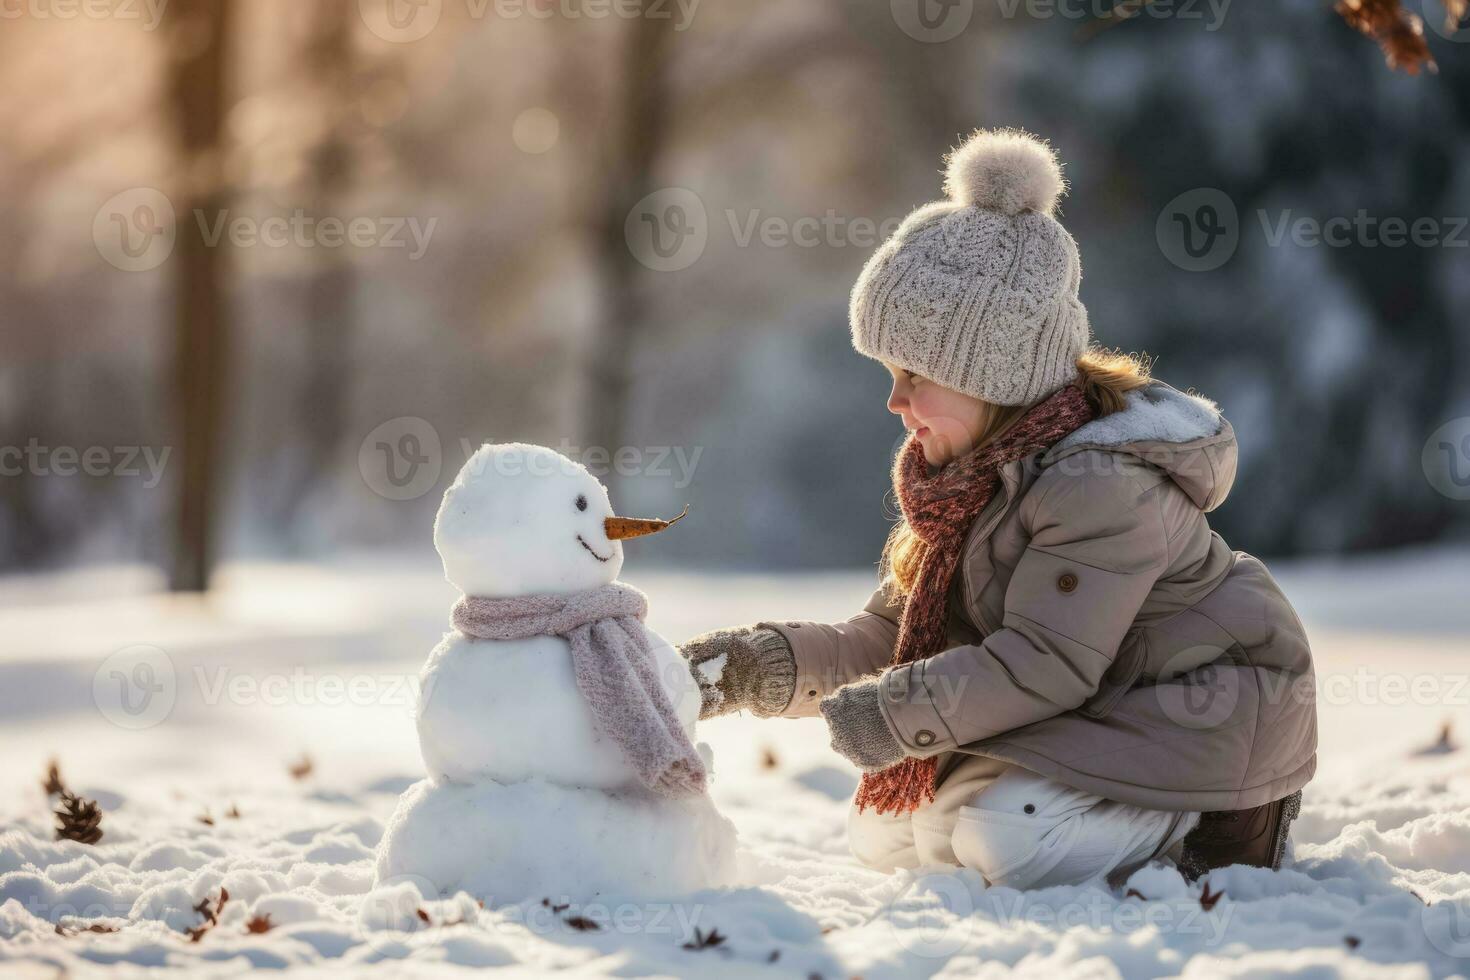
[{"x": 581, "y": 502}]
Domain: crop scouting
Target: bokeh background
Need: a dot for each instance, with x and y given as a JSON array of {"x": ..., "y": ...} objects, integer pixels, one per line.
[{"x": 270, "y": 269}]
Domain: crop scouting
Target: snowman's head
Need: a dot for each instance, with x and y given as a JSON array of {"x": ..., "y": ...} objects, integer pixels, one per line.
[{"x": 522, "y": 519}]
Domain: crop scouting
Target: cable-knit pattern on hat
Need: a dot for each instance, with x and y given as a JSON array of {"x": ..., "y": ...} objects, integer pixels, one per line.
[{"x": 980, "y": 300}]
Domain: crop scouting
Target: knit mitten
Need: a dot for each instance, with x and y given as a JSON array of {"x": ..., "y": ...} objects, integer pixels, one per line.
[
  {"x": 747, "y": 667},
  {"x": 858, "y": 729}
]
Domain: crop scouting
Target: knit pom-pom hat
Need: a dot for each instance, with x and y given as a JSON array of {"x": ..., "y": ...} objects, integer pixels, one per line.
[{"x": 979, "y": 292}]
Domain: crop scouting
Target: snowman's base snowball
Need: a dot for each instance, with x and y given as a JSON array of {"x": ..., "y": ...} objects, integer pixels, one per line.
[{"x": 532, "y": 840}]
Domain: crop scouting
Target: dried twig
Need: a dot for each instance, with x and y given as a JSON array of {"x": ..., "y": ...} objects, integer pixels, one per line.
[
  {"x": 210, "y": 914},
  {"x": 705, "y": 940},
  {"x": 61, "y": 930}
]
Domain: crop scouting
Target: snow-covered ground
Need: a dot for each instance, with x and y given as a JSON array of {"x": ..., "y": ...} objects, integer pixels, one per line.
[{"x": 189, "y": 745}]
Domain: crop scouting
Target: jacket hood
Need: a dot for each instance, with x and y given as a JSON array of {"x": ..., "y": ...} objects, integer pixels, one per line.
[{"x": 1184, "y": 435}]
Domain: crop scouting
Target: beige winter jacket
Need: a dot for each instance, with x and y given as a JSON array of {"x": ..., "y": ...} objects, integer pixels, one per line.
[{"x": 1102, "y": 635}]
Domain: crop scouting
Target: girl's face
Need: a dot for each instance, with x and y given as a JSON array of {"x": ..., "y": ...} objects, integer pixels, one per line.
[{"x": 946, "y": 422}]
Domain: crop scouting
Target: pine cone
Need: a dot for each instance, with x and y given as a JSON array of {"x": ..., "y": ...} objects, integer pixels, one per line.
[{"x": 78, "y": 819}]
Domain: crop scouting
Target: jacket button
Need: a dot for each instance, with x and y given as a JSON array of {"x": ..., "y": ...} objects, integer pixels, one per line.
[
  {"x": 794, "y": 626},
  {"x": 812, "y": 693},
  {"x": 924, "y": 737},
  {"x": 1067, "y": 583}
]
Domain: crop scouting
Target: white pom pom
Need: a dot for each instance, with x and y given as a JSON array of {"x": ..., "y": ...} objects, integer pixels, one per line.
[{"x": 1005, "y": 170}]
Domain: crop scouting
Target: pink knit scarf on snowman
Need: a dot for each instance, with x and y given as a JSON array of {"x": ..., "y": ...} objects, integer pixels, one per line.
[{"x": 615, "y": 670}]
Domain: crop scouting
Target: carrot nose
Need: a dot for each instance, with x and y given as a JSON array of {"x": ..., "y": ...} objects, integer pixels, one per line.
[{"x": 635, "y": 527}]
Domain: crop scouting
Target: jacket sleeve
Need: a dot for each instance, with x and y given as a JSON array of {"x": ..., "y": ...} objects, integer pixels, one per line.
[
  {"x": 828, "y": 656},
  {"x": 1097, "y": 547}
]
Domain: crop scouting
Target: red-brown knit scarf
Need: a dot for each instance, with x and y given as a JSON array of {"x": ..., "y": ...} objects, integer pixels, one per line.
[{"x": 940, "y": 508}]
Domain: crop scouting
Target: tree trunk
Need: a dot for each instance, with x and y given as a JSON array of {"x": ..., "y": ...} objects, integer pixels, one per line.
[
  {"x": 196, "y": 92},
  {"x": 329, "y": 313},
  {"x": 638, "y": 138}
]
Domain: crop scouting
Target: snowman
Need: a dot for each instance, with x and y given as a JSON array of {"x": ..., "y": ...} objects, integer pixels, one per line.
[{"x": 557, "y": 730}]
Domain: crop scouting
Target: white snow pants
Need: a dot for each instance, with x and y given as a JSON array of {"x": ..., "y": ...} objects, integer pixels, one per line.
[{"x": 1018, "y": 829}]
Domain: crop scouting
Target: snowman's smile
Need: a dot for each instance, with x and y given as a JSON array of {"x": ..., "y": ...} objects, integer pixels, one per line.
[{"x": 590, "y": 551}]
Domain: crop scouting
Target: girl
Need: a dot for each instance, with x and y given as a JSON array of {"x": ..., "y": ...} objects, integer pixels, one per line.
[{"x": 1064, "y": 672}]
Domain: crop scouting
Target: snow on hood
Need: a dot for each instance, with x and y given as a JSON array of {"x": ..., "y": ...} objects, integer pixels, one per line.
[{"x": 1182, "y": 434}]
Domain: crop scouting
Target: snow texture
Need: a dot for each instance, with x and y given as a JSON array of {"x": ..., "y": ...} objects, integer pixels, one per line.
[{"x": 287, "y": 660}]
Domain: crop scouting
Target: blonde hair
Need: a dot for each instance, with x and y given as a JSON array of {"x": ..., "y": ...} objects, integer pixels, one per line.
[{"x": 1105, "y": 375}]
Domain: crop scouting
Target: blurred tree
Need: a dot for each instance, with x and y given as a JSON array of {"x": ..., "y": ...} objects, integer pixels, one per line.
[
  {"x": 329, "y": 313},
  {"x": 637, "y": 137},
  {"x": 197, "y": 103}
]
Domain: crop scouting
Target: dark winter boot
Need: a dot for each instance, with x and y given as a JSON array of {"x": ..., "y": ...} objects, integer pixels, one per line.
[{"x": 1256, "y": 837}]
